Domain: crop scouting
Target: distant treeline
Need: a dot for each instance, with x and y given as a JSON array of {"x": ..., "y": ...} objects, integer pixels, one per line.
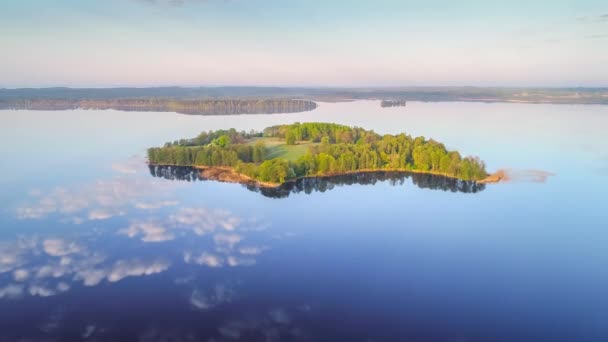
[
  {"x": 193, "y": 107},
  {"x": 573, "y": 95},
  {"x": 392, "y": 103},
  {"x": 340, "y": 149}
]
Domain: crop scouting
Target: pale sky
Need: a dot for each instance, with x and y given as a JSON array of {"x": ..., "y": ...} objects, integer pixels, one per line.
[{"x": 104, "y": 43}]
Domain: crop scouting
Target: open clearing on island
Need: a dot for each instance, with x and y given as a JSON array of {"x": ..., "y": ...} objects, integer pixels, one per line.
[{"x": 277, "y": 148}]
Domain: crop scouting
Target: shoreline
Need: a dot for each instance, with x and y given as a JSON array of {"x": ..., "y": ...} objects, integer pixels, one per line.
[{"x": 230, "y": 175}]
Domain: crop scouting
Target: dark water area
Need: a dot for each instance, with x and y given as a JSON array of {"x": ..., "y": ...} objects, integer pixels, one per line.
[
  {"x": 95, "y": 246},
  {"x": 326, "y": 183}
]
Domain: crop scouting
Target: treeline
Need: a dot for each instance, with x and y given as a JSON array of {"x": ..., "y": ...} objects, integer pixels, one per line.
[
  {"x": 182, "y": 106},
  {"x": 340, "y": 149},
  {"x": 476, "y": 94}
]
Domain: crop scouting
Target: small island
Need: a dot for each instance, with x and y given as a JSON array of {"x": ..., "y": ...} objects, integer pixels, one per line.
[
  {"x": 284, "y": 153},
  {"x": 392, "y": 103}
]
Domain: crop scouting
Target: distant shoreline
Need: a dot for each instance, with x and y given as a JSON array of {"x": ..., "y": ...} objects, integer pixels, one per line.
[
  {"x": 184, "y": 97},
  {"x": 180, "y": 106}
]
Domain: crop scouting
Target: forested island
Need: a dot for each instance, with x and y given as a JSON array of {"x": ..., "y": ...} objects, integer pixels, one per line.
[
  {"x": 182, "y": 106},
  {"x": 284, "y": 153}
]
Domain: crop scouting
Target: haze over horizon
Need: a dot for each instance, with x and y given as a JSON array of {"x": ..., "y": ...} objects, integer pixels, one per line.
[{"x": 385, "y": 43}]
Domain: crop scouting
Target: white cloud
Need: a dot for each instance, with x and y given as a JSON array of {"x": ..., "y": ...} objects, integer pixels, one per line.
[
  {"x": 54, "y": 271},
  {"x": 63, "y": 287},
  {"x": 11, "y": 291},
  {"x": 45, "y": 291},
  {"x": 21, "y": 274},
  {"x": 155, "y": 205},
  {"x": 11, "y": 256},
  {"x": 91, "y": 277},
  {"x": 103, "y": 214},
  {"x": 130, "y": 268},
  {"x": 59, "y": 247},
  {"x": 200, "y": 301},
  {"x": 228, "y": 240},
  {"x": 203, "y": 220},
  {"x": 103, "y": 199},
  {"x": 38, "y": 290},
  {"x": 206, "y": 259},
  {"x": 218, "y": 295},
  {"x": 251, "y": 250},
  {"x": 239, "y": 261},
  {"x": 149, "y": 232}
]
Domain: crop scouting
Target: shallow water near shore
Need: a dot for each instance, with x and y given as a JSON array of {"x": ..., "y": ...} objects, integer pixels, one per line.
[{"x": 96, "y": 246}]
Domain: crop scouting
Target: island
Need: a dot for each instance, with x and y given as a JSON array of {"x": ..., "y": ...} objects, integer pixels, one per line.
[
  {"x": 392, "y": 103},
  {"x": 285, "y": 153}
]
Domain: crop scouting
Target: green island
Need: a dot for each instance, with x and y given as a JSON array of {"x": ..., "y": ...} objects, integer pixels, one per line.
[{"x": 282, "y": 153}]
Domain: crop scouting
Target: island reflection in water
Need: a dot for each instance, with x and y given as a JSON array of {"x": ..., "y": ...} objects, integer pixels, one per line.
[{"x": 322, "y": 184}]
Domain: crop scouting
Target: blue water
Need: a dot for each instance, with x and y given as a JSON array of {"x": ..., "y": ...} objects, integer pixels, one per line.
[{"x": 93, "y": 247}]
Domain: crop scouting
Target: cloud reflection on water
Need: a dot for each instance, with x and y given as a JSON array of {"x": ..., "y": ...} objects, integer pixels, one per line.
[
  {"x": 47, "y": 265},
  {"x": 99, "y": 200}
]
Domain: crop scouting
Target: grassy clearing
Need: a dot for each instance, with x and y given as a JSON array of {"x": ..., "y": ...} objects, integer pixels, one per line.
[{"x": 278, "y": 149}]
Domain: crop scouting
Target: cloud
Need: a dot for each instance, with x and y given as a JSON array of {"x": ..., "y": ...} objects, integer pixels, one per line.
[
  {"x": 206, "y": 259},
  {"x": 43, "y": 291},
  {"x": 220, "y": 294},
  {"x": 91, "y": 277},
  {"x": 129, "y": 166},
  {"x": 202, "y": 220},
  {"x": 99, "y": 200},
  {"x": 251, "y": 250},
  {"x": 58, "y": 247},
  {"x": 103, "y": 214},
  {"x": 227, "y": 240},
  {"x": 11, "y": 291},
  {"x": 149, "y": 232},
  {"x": 130, "y": 268},
  {"x": 11, "y": 256},
  {"x": 240, "y": 261},
  {"x": 155, "y": 205},
  {"x": 52, "y": 271},
  {"x": 21, "y": 274}
]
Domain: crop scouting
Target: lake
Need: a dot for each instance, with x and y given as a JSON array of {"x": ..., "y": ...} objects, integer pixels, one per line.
[{"x": 96, "y": 246}]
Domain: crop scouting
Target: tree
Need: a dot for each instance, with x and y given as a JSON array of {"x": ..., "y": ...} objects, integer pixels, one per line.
[
  {"x": 222, "y": 141},
  {"x": 290, "y": 138},
  {"x": 259, "y": 152}
]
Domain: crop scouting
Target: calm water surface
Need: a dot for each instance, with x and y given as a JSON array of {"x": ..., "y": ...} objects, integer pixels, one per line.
[{"x": 96, "y": 246}]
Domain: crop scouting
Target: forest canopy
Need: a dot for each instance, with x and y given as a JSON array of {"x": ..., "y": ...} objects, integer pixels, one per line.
[{"x": 331, "y": 149}]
